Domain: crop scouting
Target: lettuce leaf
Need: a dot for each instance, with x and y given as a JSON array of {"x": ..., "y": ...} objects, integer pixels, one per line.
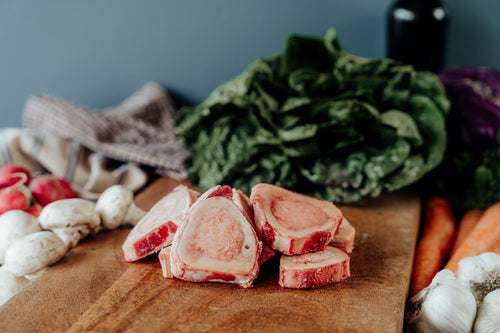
[{"x": 318, "y": 120}]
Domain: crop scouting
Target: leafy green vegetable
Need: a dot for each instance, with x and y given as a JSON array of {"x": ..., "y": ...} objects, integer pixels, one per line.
[
  {"x": 469, "y": 179},
  {"x": 318, "y": 120},
  {"x": 470, "y": 174}
]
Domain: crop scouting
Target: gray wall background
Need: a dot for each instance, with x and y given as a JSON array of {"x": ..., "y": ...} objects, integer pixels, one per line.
[{"x": 97, "y": 52}]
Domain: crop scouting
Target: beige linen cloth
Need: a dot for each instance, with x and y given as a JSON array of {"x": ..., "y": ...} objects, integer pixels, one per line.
[{"x": 94, "y": 149}]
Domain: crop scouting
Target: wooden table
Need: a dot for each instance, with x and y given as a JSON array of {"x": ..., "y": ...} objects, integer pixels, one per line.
[{"x": 94, "y": 289}]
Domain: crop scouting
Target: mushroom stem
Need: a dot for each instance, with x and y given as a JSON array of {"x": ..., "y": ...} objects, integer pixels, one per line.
[
  {"x": 71, "y": 236},
  {"x": 134, "y": 214}
]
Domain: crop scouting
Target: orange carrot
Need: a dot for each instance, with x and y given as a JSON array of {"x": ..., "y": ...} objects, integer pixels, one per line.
[
  {"x": 467, "y": 223},
  {"x": 437, "y": 237},
  {"x": 485, "y": 237}
]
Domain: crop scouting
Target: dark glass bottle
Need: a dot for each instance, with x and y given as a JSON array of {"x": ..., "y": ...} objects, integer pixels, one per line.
[{"x": 417, "y": 33}]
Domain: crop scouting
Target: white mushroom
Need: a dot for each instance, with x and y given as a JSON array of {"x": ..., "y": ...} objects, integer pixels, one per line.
[
  {"x": 71, "y": 236},
  {"x": 69, "y": 213},
  {"x": 15, "y": 224},
  {"x": 116, "y": 207},
  {"x": 10, "y": 284},
  {"x": 34, "y": 252}
]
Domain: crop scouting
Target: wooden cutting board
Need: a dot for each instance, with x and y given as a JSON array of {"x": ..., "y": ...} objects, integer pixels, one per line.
[{"x": 94, "y": 289}]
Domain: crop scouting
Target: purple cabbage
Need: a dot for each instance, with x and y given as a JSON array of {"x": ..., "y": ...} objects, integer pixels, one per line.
[{"x": 474, "y": 93}]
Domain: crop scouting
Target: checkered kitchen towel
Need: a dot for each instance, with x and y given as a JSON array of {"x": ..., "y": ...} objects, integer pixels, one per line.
[{"x": 78, "y": 143}]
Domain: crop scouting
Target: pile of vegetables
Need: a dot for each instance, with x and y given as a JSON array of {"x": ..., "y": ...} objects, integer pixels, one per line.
[
  {"x": 469, "y": 175},
  {"x": 455, "y": 283},
  {"x": 20, "y": 190},
  {"x": 456, "y": 277},
  {"x": 320, "y": 120}
]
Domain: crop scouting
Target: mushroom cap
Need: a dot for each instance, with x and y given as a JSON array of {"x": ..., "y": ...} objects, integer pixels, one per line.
[
  {"x": 34, "y": 252},
  {"x": 69, "y": 213},
  {"x": 15, "y": 224},
  {"x": 113, "y": 205}
]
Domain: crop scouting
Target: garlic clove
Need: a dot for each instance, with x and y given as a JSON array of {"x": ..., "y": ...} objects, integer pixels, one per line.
[
  {"x": 445, "y": 305},
  {"x": 488, "y": 318},
  {"x": 480, "y": 273}
]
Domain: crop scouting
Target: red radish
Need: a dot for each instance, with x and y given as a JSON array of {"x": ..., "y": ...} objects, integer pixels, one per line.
[
  {"x": 49, "y": 188},
  {"x": 15, "y": 197},
  {"x": 11, "y": 174},
  {"x": 34, "y": 209}
]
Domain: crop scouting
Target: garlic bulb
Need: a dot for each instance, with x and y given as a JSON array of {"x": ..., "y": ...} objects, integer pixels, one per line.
[
  {"x": 445, "y": 305},
  {"x": 480, "y": 273},
  {"x": 488, "y": 315}
]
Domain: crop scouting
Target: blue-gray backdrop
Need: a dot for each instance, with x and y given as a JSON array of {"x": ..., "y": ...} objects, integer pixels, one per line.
[{"x": 97, "y": 52}]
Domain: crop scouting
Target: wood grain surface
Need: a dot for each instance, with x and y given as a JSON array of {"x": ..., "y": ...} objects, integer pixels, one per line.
[{"x": 94, "y": 289}]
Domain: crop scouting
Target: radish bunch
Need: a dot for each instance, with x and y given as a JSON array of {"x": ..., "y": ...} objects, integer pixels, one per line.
[{"x": 21, "y": 190}]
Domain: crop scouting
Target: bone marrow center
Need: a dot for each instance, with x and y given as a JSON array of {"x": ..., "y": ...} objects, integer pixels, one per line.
[
  {"x": 297, "y": 215},
  {"x": 219, "y": 234}
]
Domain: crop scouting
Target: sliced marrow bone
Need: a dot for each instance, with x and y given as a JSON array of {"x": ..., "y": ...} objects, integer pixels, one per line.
[
  {"x": 344, "y": 239},
  {"x": 216, "y": 241},
  {"x": 157, "y": 228},
  {"x": 293, "y": 223},
  {"x": 315, "y": 269}
]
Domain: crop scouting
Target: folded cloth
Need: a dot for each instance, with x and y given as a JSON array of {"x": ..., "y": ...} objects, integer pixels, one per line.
[
  {"x": 139, "y": 131},
  {"x": 88, "y": 172}
]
